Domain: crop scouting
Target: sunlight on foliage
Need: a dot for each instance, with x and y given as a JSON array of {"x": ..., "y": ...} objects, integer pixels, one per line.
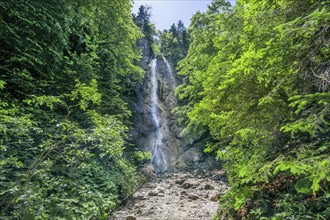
[
  {"x": 66, "y": 71},
  {"x": 257, "y": 80}
]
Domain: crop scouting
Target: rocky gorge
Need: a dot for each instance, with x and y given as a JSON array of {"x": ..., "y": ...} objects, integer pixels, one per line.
[{"x": 183, "y": 182}]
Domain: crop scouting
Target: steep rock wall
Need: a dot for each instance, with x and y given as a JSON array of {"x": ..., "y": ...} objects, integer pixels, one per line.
[{"x": 179, "y": 152}]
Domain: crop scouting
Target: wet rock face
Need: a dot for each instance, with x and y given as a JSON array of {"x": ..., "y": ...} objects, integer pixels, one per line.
[{"x": 178, "y": 151}]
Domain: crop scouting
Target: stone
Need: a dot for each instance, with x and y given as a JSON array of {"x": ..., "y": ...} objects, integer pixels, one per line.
[
  {"x": 131, "y": 217},
  {"x": 193, "y": 197},
  {"x": 151, "y": 185},
  {"x": 191, "y": 157},
  {"x": 208, "y": 187},
  {"x": 152, "y": 193},
  {"x": 139, "y": 196},
  {"x": 214, "y": 198},
  {"x": 180, "y": 181},
  {"x": 183, "y": 193},
  {"x": 188, "y": 185},
  {"x": 194, "y": 203}
]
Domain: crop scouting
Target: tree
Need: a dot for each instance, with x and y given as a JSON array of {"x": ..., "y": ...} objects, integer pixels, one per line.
[
  {"x": 175, "y": 42},
  {"x": 68, "y": 70},
  {"x": 247, "y": 69},
  {"x": 143, "y": 20}
]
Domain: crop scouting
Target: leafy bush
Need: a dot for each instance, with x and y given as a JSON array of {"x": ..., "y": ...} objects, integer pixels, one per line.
[
  {"x": 65, "y": 67},
  {"x": 258, "y": 79}
]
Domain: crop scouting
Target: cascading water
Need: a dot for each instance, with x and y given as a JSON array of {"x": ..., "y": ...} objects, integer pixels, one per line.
[
  {"x": 156, "y": 127},
  {"x": 170, "y": 72},
  {"x": 158, "y": 158}
]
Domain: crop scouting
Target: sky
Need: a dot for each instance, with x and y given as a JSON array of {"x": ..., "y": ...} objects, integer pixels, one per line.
[{"x": 166, "y": 12}]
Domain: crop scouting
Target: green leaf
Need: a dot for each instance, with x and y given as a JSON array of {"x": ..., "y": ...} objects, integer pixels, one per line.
[{"x": 304, "y": 186}]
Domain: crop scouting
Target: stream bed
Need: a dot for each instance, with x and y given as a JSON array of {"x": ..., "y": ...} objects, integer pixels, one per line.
[{"x": 180, "y": 195}]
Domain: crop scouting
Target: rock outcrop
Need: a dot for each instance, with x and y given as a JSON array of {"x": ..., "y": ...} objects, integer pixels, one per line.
[{"x": 179, "y": 152}]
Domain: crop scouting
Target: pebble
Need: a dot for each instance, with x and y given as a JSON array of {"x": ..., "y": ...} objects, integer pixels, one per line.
[{"x": 181, "y": 195}]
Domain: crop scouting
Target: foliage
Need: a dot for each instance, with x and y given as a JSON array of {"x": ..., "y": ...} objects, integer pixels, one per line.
[
  {"x": 174, "y": 42},
  {"x": 67, "y": 72},
  {"x": 257, "y": 78},
  {"x": 143, "y": 20}
]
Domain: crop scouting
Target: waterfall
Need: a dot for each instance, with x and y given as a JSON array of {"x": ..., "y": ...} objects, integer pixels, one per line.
[
  {"x": 158, "y": 158},
  {"x": 170, "y": 72},
  {"x": 156, "y": 127}
]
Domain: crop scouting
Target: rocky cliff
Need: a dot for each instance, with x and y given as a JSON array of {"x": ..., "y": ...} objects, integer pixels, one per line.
[{"x": 179, "y": 152}]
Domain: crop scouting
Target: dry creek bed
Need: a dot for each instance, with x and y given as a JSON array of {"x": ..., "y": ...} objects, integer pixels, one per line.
[{"x": 190, "y": 195}]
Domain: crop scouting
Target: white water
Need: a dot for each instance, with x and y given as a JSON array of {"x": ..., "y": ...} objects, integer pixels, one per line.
[
  {"x": 158, "y": 158},
  {"x": 170, "y": 72}
]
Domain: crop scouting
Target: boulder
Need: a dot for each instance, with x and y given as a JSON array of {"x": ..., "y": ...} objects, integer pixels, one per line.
[
  {"x": 188, "y": 185},
  {"x": 180, "y": 181},
  {"x": 214, "y": 198},
  {"x": 152, "y": 193},
  {"x": 131, "y": 217},
  {"x": 161, "y": 190},
  {"x": 193, "y": 196},
  {"x": 208, "y": 187}
]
